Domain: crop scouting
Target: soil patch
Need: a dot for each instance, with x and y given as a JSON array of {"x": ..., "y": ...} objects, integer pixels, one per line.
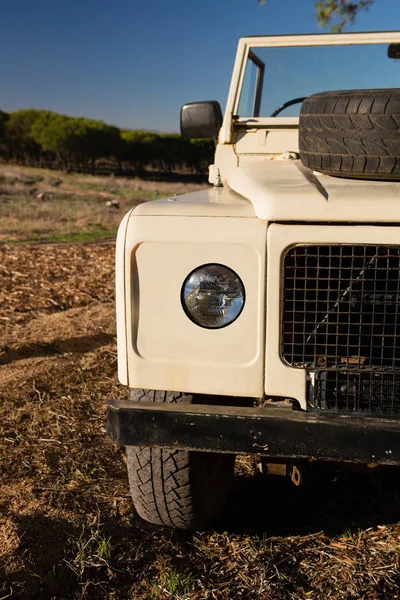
[{"x": 67, "y": 527}]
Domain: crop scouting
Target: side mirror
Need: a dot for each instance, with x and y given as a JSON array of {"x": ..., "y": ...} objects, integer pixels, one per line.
[
  {"x": 394, "y": 51},
  {"x": 201, "y": 119}
]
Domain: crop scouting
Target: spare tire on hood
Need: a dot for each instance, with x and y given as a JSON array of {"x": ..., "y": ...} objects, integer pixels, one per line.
[{"x": 352, "y": 133}]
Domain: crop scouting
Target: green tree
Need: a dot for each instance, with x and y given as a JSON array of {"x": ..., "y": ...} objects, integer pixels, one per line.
[
  {"x": 3, "y": 142},
  {"x": 21, "y": 146},
  {"x": 95, "y": 140},
  {"x": 140, "y": 148},
  {"x": 76, "y": 141},
  {"x": 337, "y": 14},
  {"x": 58, "y": 135}
]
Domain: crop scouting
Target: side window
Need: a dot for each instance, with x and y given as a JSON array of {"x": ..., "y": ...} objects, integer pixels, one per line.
[{"x": 250, "y": 96}]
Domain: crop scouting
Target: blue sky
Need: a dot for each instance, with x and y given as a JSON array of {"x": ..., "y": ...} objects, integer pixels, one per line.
[{"x": 135, "y": 63}]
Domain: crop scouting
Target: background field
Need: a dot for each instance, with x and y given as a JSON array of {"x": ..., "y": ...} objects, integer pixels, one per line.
[
  {"x": 67, "y": 527},
  {"x": 39, "y": 205}
]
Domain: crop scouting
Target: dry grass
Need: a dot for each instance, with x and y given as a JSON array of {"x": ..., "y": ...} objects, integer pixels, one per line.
[
  {"x": 67, "y": 527},
  {"x": 119, "y": 186},
  {"x": 74, "y": 206}
]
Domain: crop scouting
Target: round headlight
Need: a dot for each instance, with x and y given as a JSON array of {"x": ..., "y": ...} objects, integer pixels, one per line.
[{"x": 213, "y": 296}]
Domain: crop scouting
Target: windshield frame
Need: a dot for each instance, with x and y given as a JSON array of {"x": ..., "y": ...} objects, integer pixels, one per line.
[{"x": 232, "y": 121}]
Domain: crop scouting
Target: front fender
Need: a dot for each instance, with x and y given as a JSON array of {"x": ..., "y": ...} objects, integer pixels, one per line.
[{"x": 158, "y": 345}]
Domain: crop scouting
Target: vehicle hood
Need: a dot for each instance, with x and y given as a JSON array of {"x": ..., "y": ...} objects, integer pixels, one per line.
[
  {"x": 210, "y": 202},
  {"x": 287, "y": 191}
]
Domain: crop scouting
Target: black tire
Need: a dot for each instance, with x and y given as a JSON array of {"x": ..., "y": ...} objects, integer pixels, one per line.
[
  {"x": 353, "y": 133},
  {"x": 177, "y": 488}
]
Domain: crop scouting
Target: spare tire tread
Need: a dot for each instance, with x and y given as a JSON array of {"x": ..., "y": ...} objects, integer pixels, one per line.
[{"x": 352, "y": 133}]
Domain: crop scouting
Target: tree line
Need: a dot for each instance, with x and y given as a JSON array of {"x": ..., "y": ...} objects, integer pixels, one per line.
[{"x": 42, "y": 138}]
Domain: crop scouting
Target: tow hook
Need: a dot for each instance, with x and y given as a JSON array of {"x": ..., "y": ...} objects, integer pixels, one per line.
[
  {"x": 296, "y": 475},
  {"x": 289, "y": 468}
]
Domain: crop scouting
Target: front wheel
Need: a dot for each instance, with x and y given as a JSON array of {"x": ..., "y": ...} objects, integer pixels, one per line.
[{"x": 177, "y": 488}]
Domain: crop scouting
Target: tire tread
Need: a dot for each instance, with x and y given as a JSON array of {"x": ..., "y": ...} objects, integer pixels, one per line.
[
  {"x": 161, "y": 479},
  {"x": 354, "y": 133}
]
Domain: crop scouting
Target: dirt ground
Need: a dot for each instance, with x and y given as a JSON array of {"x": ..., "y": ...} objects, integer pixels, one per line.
[{"x": 67, "y": 526}]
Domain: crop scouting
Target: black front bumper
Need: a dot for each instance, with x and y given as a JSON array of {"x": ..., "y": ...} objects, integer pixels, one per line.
[{"x": 275, "y": 432}]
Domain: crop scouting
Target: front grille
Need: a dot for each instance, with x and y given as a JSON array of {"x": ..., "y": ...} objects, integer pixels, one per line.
[
  {"x": 341, "y": 323},
  {"x": 355, "y": 390}
]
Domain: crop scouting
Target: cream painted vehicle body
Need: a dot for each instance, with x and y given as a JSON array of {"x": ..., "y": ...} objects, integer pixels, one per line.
[{"x": 249, "y": 390}]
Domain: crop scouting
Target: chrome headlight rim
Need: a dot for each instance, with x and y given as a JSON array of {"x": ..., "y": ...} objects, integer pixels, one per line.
[{"x": 190, "y": 315}]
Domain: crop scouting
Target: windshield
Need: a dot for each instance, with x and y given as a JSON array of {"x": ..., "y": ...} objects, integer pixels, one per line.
[{"x": 274, "y": 76}]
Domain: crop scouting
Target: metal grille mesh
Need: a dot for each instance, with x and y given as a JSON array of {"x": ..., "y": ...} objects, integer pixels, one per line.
[{"x": 341, "y": 323}]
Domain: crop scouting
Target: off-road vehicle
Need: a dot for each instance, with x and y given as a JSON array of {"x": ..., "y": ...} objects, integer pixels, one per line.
[{"x": 262, "y": 315}]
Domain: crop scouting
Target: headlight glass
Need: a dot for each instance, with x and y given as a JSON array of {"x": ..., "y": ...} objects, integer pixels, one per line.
[{"x": 213, "y": 296}]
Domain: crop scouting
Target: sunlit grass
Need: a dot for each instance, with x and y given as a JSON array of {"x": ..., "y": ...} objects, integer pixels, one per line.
[
  {"x": 47, "y": 206},
  {"x": 175, "y": 584}
]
